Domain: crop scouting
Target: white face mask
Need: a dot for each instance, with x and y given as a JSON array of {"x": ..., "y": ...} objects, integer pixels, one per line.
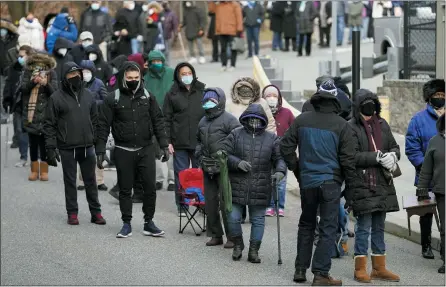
[
  {"x": 272, "y": 102},
  {"x": 62, "y": 51},
  {"x": 85, "y": 44},
  {"x": 145, "y": 7},
  {"x": 131, "y": 6},
  {"x": 87, "y": 75},
  {"x": 92, "y": 57},
  {"x": 188, "y": 4}
]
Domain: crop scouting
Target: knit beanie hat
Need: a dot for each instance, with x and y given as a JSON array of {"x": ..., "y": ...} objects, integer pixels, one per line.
[
  {"x": 329, "y": 87},
  {"x": 271, "y": 90},
  {"x": 210, "y": 95}
]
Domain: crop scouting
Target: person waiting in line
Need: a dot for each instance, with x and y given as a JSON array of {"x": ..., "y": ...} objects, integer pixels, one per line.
[
  {"x": 252, "y": 153},
  {"x": 420, "y": 130},
  {"x": 253, "y": 16},
  {"x": 194, "y": 23},
  {"x": 213, "y": 129}
]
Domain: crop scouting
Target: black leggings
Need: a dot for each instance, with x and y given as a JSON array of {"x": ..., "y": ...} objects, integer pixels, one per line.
[
  {"x": 225, "y": 41},
  {"x": 36, "y": 146}
]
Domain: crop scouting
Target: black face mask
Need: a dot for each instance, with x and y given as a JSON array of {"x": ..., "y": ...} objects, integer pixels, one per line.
[
  {"x": 437, "y": 103},
  {"x": 368, "y": 109},
  {"x": 132, "y": 85},
  {"x": 75, "y": 83}
]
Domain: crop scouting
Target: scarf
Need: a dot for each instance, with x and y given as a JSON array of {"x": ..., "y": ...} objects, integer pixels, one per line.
[
  {"x": 33, "y": 102},
  {"x": 374, "y": 137}
]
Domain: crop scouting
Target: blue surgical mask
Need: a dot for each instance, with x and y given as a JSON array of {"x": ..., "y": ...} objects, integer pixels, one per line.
[
  {"x": 21, "y": 61},
  {"x": 209, "y": 105},
  {"x": 3, "y": 32},
  {"x": 187, "y": 80}
]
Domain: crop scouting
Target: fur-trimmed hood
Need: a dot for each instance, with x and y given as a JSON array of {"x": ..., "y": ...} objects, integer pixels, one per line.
[
  {"x": 155, "y": 6},
  {"x": 40, "y": 61},
  {"x": 432, "y": 87},
  {"x": 361, "y": 96},
  {"x": 249, "y": 82},
  {"x": 8, "y": 25}
]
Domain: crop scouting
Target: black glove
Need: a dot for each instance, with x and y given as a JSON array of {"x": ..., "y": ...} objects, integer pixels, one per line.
[
  {"x": 244, "y": 166},
  {"x": 99, "y": 160},
  {"x": 70, "y": 20},
  {"x": 166, "y": 155},
  {"x": 52, "y": 157},
  {"x": 423, "y": 194}
]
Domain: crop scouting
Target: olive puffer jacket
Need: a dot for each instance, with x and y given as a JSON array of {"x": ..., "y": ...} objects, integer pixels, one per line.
[
  {"x": 214, "y": 127},
  {"x": 261, "y": 149},
  {"x": 383, "y": 197}
]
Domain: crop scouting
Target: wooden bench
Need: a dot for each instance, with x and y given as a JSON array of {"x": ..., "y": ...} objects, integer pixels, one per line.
[{"x": 420, "y": 208}]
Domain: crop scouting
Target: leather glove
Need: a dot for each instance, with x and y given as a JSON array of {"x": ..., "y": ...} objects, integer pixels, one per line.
[
  {"x": 99, "y": 160},
  {"x": 70, "y": 20},
  {"x": 244, "y": 166},
  {"x": 52, "y": 157},
  {"x": 422, "y": 194},
  {"x": 387, "y": 161},
  {"x": 166, "y": 155},
  {"x": 278, "y": 176}
]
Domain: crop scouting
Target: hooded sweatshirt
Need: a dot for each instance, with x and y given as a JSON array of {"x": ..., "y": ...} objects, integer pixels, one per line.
[
  {"x": 95, "y": 85},
  {"x": 239, "y": 104},
  {"x": 62, "y": 43},
  {"x": 158, "y": 82},
  {"x": 103, "y": 69},
  {"x": 182, "y": 111},
  {"x": 33, "y": 32}
]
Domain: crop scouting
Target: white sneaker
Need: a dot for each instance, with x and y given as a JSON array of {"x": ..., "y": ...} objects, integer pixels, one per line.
[
  {"x": 202, "y": 60},
  {"x": 192, "y": 60},
  {"x": 21, "y": 163},
  {"x": 181, "y": 214},
  {"x": 231, "y": 69},
  {"x": 223, "y": 69}
]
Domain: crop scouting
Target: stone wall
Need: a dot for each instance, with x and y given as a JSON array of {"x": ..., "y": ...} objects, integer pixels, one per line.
[{"x": 406, "y": 98}]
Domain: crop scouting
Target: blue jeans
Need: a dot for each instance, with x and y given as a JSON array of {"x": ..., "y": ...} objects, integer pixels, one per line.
[
  {"x": 370, "y": 221},
  {"x": 256, "y": 217},
  {"x": 135, "y": 45},
  {"x": 252, "y": 34},
  {"x": 182, "y": 159},
  {"x": 365, "y": 27},
  {"x": 281, "y": 189},
  {"x": 340, "y": 28},
  {"x": 353, "y": 28},
  {"x": 22, "y": 136},
  {"x": 277, "y": 40},
  {"x": 326, "y": 197}
]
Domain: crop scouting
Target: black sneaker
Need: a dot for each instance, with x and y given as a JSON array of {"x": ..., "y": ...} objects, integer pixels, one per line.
[
  {"x": 114, "y": 192},
  {"x": 81, "y": 187},
  {"x": 150, "y": 229},
  {"x": 159, "y": 185},
  {"x": 14, "y": 145},
  {"x": 102, "y": 187},
  {"x": 171, "y": 187},
  {"x": 125, "y": 232}
]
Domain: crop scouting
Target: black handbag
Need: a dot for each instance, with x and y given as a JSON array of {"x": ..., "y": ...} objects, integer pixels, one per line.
[{"x": 210, "y": 165}]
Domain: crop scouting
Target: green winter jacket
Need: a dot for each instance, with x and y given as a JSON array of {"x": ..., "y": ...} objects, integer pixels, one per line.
[{"x": 158, "y": 83}]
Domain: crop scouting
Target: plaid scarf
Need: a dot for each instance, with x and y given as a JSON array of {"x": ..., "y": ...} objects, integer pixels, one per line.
[
  {"x": 33, "y": 103},
  {"x": 374, "y": 137}
]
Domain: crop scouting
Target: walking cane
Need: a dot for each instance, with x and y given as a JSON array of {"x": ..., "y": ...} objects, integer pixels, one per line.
[
  {"x": 7, "y": 138},
  {"x": 180, "y": 38},
  {"x": 276, "y": 207}
]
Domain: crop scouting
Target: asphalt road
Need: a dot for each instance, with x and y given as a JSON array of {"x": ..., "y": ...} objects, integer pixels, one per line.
[{"x": 39, "y": 248}]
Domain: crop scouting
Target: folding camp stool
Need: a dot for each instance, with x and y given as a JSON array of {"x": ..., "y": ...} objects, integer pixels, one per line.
[{"x": 189, "y": 179}]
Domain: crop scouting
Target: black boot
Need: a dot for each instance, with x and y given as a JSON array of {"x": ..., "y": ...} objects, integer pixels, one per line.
[
  {"x": 253, "y": 253},
  {"x": 238, "y": 248},
  {"x": 426, "y": 232},
  {"x": 441, "y": 269},
  {"x": 300, "y": 275},
  {"x": 427, "y": 251}
]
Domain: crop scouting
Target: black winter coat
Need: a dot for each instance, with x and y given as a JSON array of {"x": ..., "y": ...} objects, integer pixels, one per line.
[
  {"x": 289, "y": 20},
  {"x": 71, "y": 117},
  {"x": 60, "y": 60},
  {"x": 182, "y": 110},
  {"x": 214, "y": 127},
  {"x": 261, "y": 149},
  {"x": 103, "y": 70},
  {"x": 98, "y": 23},
  {"x": 134, "y": 118},
  {"x": 383, "y": 197},
  {"x": 35, "y": 127},
  {"x": 194, "y": 20},
  {"x": 78, "y": 53},
  {"x": 277, "y": 15},
  {"x": 9, "y": 42},
  {"x": 211, "y": 29},
  {"x": 10, "y": 91},
  {"x": 250, "y": 16}
]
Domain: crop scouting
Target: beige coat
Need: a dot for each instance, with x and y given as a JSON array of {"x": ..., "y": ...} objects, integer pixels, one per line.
[{"x": 236, "y": 107}]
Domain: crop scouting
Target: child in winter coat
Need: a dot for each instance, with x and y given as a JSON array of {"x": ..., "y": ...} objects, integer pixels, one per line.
[
  {"x": 284, "y": 118},
  {"x": 432, "y": 171},
  {"x": 252, "y": 152},
  {"x": 99, "y": 91}
]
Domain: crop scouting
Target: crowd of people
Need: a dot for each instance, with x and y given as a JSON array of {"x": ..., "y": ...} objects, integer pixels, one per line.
[{"x": 82, "y": 106}]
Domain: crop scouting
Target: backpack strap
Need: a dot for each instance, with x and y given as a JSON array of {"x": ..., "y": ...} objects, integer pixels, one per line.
[{"x": 118, "y": 94}]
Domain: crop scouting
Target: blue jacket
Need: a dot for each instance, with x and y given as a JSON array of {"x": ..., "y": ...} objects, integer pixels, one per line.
[
  {"x": 95, "y": 86},
  {"x": 422, "y": 127},
  {"x": 60, "y": 28}
]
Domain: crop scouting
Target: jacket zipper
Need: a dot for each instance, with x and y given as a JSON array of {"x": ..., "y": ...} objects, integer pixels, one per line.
[{"x": 250, "y": 173}]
